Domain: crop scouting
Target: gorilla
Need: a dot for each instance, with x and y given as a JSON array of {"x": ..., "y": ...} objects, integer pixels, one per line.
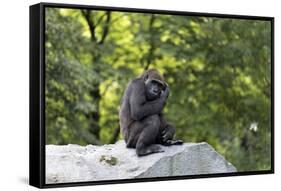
[{"x": 142, "y": 123}]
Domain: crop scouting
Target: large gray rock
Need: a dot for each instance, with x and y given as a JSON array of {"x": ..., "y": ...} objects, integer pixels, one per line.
[{"x": 74, "y": 163}]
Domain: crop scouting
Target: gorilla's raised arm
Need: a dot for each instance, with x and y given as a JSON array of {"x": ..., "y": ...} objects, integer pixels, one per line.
[{"x": 139, "y": 106}]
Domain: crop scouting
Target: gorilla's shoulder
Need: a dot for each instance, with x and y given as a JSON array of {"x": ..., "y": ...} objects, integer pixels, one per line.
[{"x": 136, "y": 81}]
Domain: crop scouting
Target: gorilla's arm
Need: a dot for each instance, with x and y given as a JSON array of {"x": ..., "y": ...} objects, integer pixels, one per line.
[{"x": 139, "y": 106}]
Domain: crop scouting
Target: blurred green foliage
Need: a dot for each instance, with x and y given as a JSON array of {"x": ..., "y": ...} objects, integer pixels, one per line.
[{"x": 219, "y": 72}]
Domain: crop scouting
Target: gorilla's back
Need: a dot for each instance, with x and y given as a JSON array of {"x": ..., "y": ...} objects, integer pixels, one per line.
[{"x": 124, "y": 113}]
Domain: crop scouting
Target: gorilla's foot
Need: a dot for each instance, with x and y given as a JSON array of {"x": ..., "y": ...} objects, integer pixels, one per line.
[
  {"x": 149, "y": 150},
  {"x": 173, "y": 142}
]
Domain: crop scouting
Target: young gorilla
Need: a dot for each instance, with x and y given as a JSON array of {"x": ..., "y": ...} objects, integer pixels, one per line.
[{"x": 142, "y": 123}]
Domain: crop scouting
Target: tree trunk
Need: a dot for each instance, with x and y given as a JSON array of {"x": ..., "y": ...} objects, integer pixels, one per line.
[
  {"x": 95, "y": 116},
  {"x": 95, "y": 93}
]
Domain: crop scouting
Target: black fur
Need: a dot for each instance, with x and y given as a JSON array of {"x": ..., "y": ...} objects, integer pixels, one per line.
[{"x": 142, "y": 123}]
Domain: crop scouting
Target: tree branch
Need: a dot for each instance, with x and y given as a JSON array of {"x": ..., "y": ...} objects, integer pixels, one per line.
[
  {"x": 152, "y": 43},
  {"x": 87, "y": 15},
  {"x": 106, "y": 27},
  {"x": 100, "y": 19}
]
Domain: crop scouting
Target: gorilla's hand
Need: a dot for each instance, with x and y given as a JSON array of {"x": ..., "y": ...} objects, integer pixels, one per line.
[{"x": 165, "y": 93}]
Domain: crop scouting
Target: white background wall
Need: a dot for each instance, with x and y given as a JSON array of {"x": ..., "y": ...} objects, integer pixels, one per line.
[{"x": 14, "y": 87}]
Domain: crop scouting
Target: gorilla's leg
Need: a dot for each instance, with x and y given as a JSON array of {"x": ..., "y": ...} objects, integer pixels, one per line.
[
  {"x": 134, "y": 131},
  {"x": 147, "y": 138}
]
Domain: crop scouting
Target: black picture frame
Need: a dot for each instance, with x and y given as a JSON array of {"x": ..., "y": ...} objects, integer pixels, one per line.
[{"x": 37, "y": 96}]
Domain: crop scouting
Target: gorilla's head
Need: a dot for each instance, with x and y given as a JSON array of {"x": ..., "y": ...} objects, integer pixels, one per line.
[{"x": 155, "y": 84}]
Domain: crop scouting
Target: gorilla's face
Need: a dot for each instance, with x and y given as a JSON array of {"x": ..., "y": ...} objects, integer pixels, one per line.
[{"x": 154, "y": 89}]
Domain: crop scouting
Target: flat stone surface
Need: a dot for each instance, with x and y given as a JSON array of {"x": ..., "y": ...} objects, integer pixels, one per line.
[{"x": 74, "y": 163}]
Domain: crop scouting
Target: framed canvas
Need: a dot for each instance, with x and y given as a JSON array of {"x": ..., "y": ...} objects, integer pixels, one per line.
[{"x": 123, "y": 95}]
